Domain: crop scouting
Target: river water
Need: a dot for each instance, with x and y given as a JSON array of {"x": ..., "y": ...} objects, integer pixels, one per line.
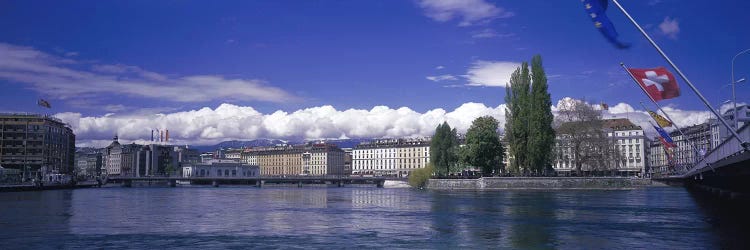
[{"x": 243, "y": 217}]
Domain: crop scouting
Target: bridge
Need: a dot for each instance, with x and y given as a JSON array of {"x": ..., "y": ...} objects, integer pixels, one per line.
[
  {"x": 258, "y": 181},
  {"x": 725, "y": 170}
]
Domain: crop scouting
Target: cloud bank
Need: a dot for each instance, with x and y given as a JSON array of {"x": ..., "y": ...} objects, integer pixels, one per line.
[
  {"x": 231, "y": 122},
  {"x": 65, "y": 78}
]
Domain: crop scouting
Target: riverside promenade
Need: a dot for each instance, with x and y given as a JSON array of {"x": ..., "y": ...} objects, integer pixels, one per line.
[{"x": 539, "y": 183}]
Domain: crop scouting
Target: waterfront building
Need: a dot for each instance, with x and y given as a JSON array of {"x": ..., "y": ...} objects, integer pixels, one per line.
[
  {"x": 88, "y": 164},
  {"x": 140, "y": 160},
  {"x": 249, "y": 156},
  {"x": 347, "y": 161},
  {"x": 37, "y": 145},
  {"x": 625, "y": 152},
  {"x": 187, "y": 155},
  {"x": 220, "y": 169},
  {"x": 233, "y": 153},
  {"x": 156, "y": 159},
  {"x": 118, "y": 159},
  {"x": 280, "y": 160},
  {"x": 308, "y": 159},
  {"x": 206, "y": 157},
  {"x": 657, "y": 158},
  {"x": 742, "y": 116},
  {"x": 390, "y": 157}
]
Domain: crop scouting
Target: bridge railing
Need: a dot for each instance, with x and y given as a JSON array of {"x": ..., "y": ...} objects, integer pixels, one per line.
[{"x": 728, "y": 147}]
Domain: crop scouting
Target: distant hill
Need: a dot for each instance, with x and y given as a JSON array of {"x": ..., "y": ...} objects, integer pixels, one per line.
[
  {"x": 341, "y": 143},
  {"x": 240, "y": 144}
]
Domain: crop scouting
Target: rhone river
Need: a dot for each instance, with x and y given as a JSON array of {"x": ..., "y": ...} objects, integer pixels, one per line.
[{"x": 243, "y": 217}]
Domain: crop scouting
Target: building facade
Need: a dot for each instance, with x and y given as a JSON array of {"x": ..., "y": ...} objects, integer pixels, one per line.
[
  {"x": 390, "y": 157},
  {"x": 280, "y": 160},
  {"x": 88, "y": 164},
  {"x": 626, "y": 151},
  {"x": 220, "y": 169},
  {"x": 308, "y": 159},
  {"x": 37, "y": 145}
]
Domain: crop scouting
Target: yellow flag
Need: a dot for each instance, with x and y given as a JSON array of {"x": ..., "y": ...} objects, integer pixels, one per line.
[{"x": 663, "y": 122}]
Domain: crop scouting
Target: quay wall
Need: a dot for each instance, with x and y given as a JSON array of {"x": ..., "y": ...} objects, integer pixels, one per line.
[{"x": 539, "y": 183}]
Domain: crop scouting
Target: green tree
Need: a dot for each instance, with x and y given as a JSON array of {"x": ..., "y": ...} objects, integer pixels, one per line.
[
  {"x": 517, "y": 118},
  {"x": 418, "y": 178},
  {"x": 483, "y": 148},
  {"x": 541, "y": 134},
  {"x": 444, "y": 149}
]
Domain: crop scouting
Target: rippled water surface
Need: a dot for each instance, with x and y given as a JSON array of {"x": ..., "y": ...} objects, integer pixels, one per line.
[{"x": 243, "y": 217}]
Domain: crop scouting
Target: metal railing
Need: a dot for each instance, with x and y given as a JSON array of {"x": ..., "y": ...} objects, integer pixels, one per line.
[{"x": 729, "y": 147}]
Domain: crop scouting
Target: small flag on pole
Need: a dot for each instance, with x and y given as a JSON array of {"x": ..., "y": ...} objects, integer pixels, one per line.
[
  {"x": 597, "y": 11},
  {"x": 665, "y": 138},
  {"x": 659, "y": 83},
  {"x": 663, "y": 122},
  {"x": 43, "y": 103}
]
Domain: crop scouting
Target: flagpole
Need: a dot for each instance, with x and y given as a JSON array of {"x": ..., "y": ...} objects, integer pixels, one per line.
[
  {"x": 673, "y": 152},
  {"x": 695, "y": 148},
  {"x": 690, "y": 84},
  {"x": 659, "y": 107}
]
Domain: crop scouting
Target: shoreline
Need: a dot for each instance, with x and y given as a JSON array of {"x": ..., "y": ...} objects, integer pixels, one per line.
[{"x": 541, "y": 183}]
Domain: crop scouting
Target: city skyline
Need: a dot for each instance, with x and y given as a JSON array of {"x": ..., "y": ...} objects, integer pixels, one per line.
[{"x": 394, "y": 69}]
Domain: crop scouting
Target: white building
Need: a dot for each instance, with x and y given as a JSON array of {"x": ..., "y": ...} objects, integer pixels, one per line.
[
  {"x": 390, "y": 157},
  {"x": 233, "y": 154},
  {"x": 249, "y": 157},
  {"x": 323, "y": 159},
  {"x": 628, "y": 155},
  {"x": 220, "y": 169}
]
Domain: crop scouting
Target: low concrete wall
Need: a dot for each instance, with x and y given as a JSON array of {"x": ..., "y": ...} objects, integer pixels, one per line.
[{"x": 540, "y": 183}]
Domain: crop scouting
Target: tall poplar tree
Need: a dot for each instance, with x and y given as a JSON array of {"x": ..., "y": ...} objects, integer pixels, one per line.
[
  {"x": 517, "y": 118},
  {"x": 528, "y": 125},
  {"x": 541, "y": 134}
]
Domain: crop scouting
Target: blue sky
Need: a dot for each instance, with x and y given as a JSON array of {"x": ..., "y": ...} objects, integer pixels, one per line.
[{"x": 164, "y": 57}]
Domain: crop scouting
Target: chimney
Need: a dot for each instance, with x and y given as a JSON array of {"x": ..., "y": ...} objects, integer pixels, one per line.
[
  {"x": 161, "y": 136},
  {"x": 166, "y": 138}
]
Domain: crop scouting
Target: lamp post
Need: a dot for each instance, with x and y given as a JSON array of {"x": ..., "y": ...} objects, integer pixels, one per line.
[{"x": 734, "y": 82}]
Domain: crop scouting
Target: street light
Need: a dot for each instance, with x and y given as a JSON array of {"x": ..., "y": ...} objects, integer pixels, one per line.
[{"x": 734, "y": 97}]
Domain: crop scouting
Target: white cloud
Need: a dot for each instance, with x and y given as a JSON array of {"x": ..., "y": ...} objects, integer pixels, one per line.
[
  {"x": 442, "y": 78},
  {"x": 670, "y": 27},
  {"x": 490, "y": 73},
  {"x": 468, "y": 12},
  {"x": 490, "y": 33},
  {"x": 63, "y": 78},
  {"x": 232, "y": 122},
  {"x": 439, "y": 67}
]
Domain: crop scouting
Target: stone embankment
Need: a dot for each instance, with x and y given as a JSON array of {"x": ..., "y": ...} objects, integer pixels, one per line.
[{"x": 538, "y": 183}]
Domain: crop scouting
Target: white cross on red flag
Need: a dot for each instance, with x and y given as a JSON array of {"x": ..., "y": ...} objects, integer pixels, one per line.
[{"x": 658, "y": 83}]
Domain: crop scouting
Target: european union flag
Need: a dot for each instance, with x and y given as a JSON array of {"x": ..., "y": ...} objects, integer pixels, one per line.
[
  {"x": 597, "y": 11},
  {"x": 664, "y": 135}
]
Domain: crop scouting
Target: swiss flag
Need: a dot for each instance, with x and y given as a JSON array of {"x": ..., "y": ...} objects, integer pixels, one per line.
[{"x": 658, "y": 83}]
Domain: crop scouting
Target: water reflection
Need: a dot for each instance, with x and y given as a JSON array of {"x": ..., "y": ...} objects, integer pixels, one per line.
[{"x": 242, "y": 217}]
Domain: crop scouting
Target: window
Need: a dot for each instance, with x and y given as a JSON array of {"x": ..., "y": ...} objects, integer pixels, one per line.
[
  {"x": 218, "y": 172},
  {"x": 234, "y": 172}
]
